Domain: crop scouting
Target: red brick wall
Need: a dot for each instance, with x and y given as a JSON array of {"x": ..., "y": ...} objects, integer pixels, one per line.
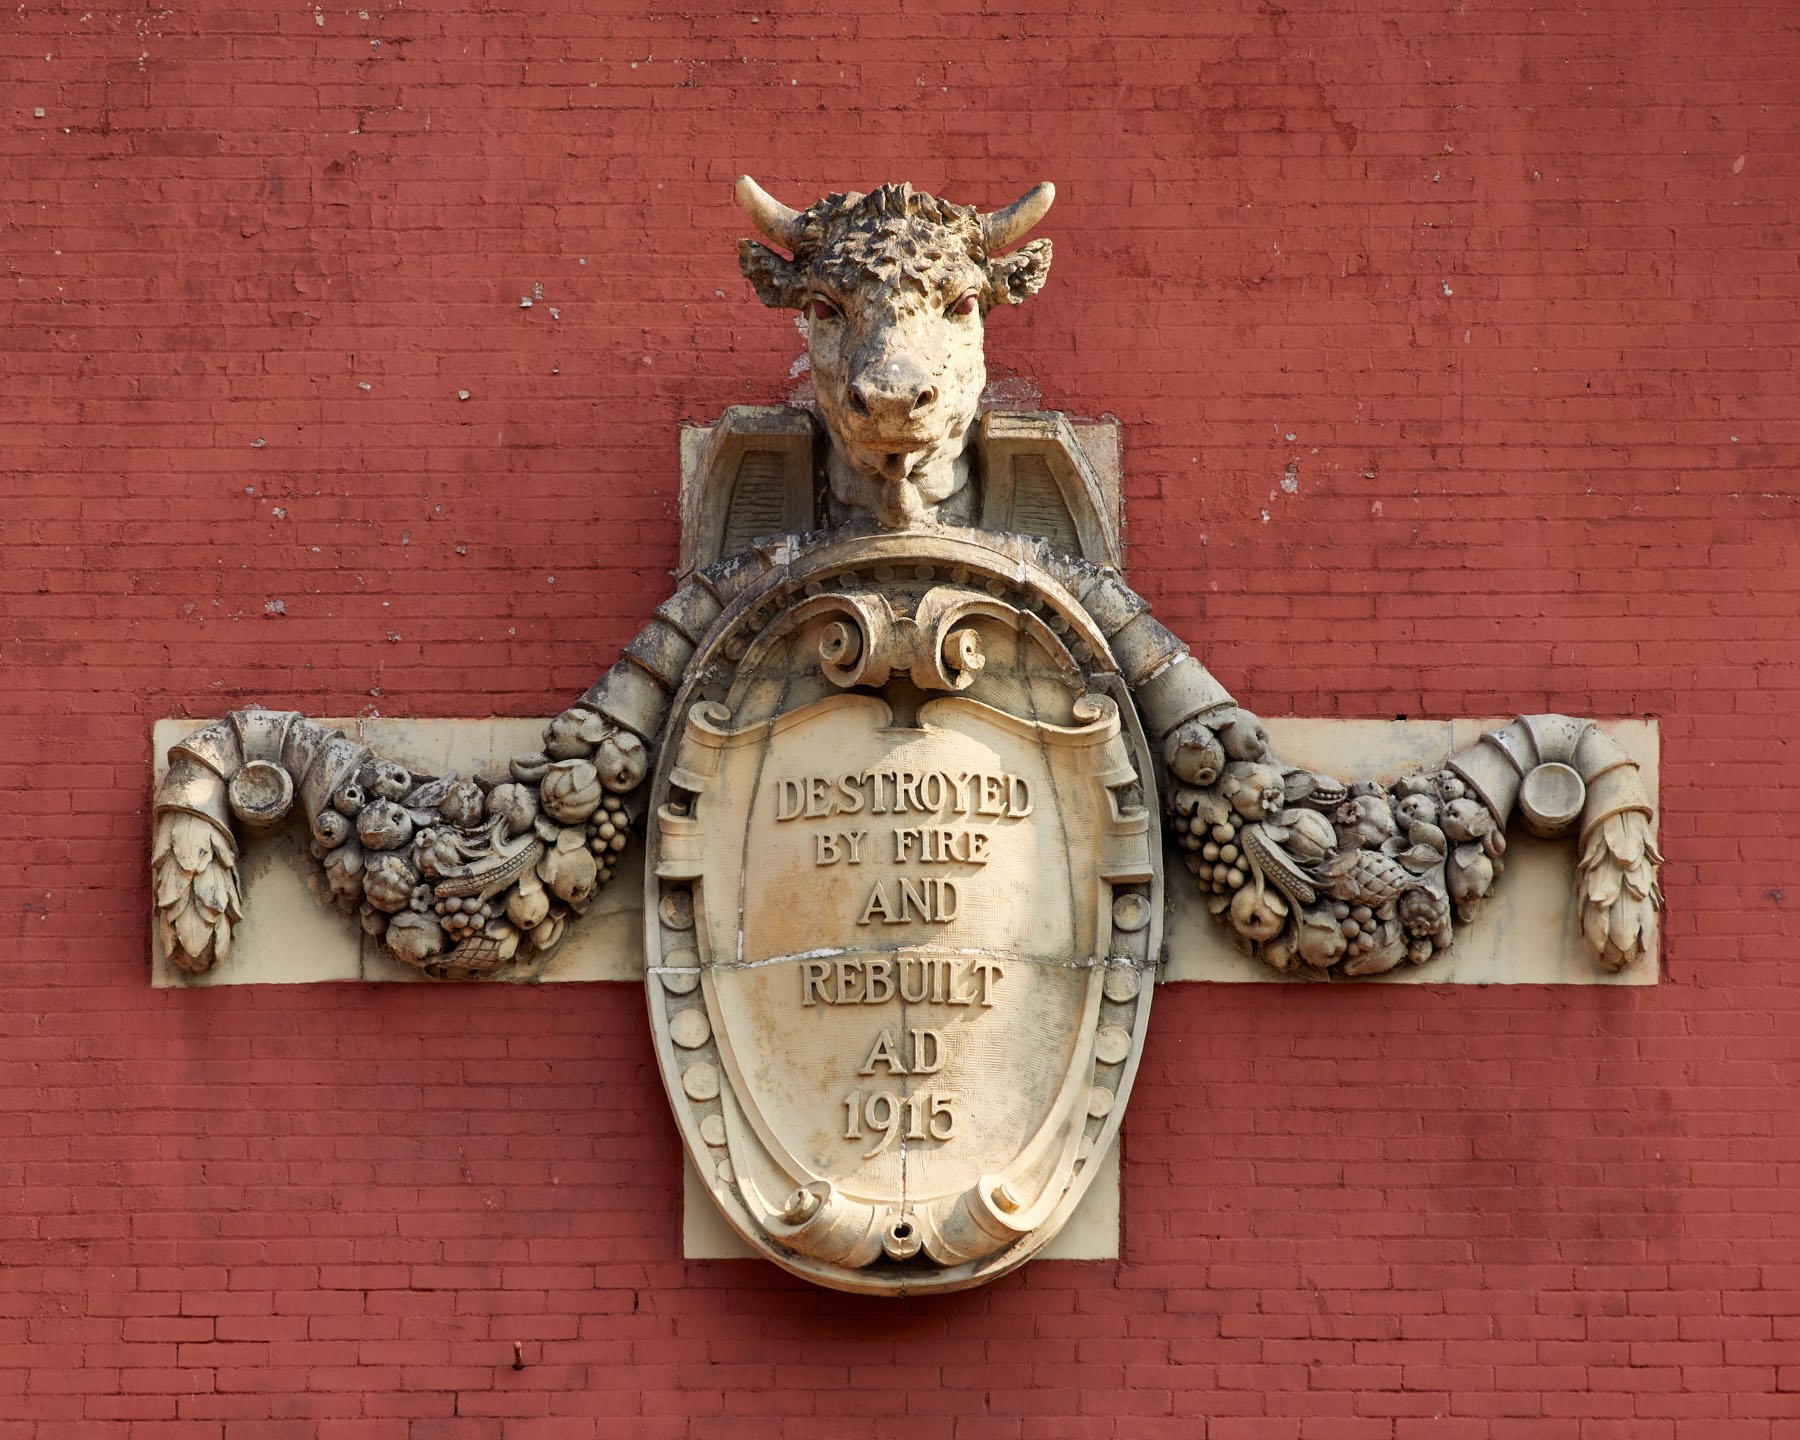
[{"x": 1508, "y": 290}]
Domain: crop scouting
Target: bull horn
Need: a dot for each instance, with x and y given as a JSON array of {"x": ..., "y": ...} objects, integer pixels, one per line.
[
  {"x": 1006, "y": 227},
  {"x": 769, "y": 215}
]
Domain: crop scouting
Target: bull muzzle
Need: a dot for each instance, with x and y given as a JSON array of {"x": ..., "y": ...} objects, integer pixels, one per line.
[{"x": 894, "y": 397}]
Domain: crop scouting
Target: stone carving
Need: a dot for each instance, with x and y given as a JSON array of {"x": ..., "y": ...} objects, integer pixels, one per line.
[
  {"x": 1311, "y": 875},
  {"x": 453, "y": 875},
  {"x": 904, "y": 906},
  {"x": 895, "y": 285},
  {"x": 897, "y": 740}
]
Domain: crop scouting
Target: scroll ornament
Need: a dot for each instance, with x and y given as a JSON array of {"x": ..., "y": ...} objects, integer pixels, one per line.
[{"x": 464, "y": 877}]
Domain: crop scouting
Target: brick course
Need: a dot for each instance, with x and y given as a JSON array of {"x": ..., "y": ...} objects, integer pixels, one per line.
[{"x": 1508, "y": 293}]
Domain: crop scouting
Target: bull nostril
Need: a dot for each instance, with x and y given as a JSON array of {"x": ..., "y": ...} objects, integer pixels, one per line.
[
  {"x": 858, "y": 401},
  {"x": 925, "y": 399}
]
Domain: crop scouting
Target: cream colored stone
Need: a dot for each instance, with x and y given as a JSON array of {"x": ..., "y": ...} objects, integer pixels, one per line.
[
  {"x": 1090, "y": 1233},
  {"x": 902, "y": 844},
  {"x": 1527, "y": 932},
  {"x": 288, "y": 937},
  {"x": 902, "y": 874},
  {"x": 1038, "y": 478},
  {"x": 898, "y": 372},
  {"x": 748, "y": 477}
]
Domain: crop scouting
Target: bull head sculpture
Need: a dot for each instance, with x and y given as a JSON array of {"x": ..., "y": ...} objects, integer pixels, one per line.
[{"x": 895, "y": 286}]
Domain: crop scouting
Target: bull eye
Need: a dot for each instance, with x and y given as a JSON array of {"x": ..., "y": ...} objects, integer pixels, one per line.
[
  {"x": 822, "y": 309},
  {"x": 964, "y": 305}
]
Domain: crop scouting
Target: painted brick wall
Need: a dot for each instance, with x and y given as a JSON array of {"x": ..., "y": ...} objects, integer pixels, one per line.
[{"x": 1506, "y": 294}]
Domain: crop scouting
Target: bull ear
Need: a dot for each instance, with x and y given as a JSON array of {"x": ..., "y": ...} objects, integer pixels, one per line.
[
  {"x": 1021, "y": 274},
  {"x": 778, "y": 283}
]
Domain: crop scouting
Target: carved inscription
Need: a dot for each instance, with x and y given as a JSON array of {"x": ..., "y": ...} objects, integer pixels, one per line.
[
  {"x": 903, "y": 792},
  {"x": 913, "y": 979},
  {"x": 967, "y": 806},
  {"x": 929, "y": 820},
  {"x": 890, "y": 1114},
  {"x": 921, "y": 1115}
]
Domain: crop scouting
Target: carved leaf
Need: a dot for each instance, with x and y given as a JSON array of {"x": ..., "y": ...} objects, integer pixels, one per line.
[
  {"x": 1604, "y": 886},
  {"x": 212, "y": 890},
  {"x": 1428, "y": 836},
  {"x": 171, "y": 885},
  {"x": 1593, "y": 929},
  {"x": 192, "y": 843},
  {"x": 1629, "y": 843},
  {"x": 1420, "y": 858},
  {"x": 192, "y": 931}
]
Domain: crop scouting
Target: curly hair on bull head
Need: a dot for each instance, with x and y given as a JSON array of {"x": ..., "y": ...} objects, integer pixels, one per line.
[{"x": 892, "y": 233}]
